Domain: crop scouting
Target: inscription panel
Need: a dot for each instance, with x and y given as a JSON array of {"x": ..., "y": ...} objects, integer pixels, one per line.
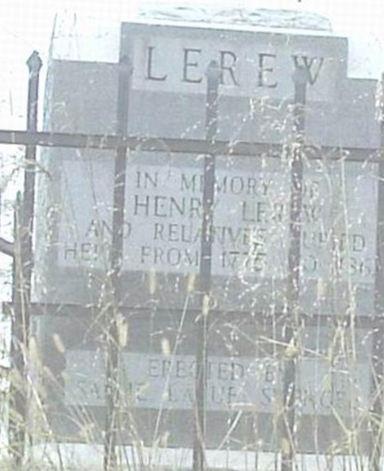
[
  {"x": 254, "y": 64},
  {"x": 245, "y": 369},
  {"x": 156, "y": 381},
  {"x": 250, "y": 233}
]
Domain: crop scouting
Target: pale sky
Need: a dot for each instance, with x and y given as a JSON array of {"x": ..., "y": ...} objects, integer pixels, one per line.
[{"x": 26, "y": 25}]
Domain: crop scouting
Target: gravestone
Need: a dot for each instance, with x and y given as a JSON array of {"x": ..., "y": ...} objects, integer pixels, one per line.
[{"x": 162, "y": 230}]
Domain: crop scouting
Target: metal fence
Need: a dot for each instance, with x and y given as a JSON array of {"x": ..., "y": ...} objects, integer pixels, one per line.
[{"x": 276, "y": 340}]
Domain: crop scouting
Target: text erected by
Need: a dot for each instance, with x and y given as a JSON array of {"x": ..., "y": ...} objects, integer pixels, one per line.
[{"x": 157, "y": 381}]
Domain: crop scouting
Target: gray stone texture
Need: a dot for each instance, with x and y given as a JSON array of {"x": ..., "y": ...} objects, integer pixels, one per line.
[{"x": 81, "y": 98}]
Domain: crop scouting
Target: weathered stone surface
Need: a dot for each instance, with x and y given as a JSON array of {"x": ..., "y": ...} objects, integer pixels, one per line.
[
  {"x": 235, "y": 16},
  {"x": 251, "y": 222}
]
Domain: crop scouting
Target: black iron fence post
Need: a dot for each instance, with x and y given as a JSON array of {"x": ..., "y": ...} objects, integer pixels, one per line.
[
  {"x": 116, "y": 259},
  {"x": 22, "y": 276},
  {"x": 34, "y": 65},
  {"x": 300, "y": 80},
  {"x": 213, "y": 81}
]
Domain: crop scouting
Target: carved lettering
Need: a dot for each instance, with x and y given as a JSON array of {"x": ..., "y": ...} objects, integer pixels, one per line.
[
  {"x": 188, "y": 65},
  {"x": 228, "y": 60},
  {"x": 266, "y": 69},
  {"x": 150, "y": 73},
  {"x": 313, "y": 66}
]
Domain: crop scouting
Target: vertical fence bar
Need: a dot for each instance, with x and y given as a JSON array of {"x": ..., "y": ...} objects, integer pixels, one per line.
[
  {"x": 22, "y": 276},
  {"x": 293, "y": 285},
  {"x": 34, "y": 65},
  {"x": 112, "y": 392},
  {"x": 376, "y": 441},
  {"x": 16, "y": 405},
  {"x": 213, "y": 81}
]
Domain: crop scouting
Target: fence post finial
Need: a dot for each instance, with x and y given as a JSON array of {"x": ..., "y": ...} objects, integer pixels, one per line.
[{"x": 34, "y": 63}]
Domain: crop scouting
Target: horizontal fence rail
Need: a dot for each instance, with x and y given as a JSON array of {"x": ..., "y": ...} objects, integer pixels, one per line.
[{"x": 193, "y": 146}]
